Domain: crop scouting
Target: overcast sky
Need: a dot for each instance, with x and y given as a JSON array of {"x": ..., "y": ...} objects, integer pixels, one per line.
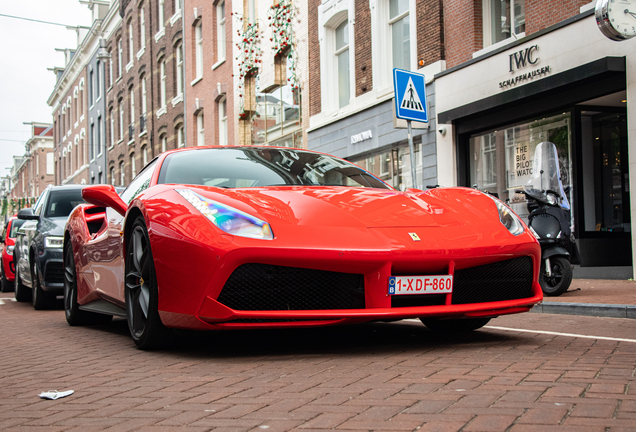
[{"x": 28, "y": 49}]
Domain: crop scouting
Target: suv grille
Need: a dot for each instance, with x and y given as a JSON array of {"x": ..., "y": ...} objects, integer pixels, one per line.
[
  {"x": 504, "y": 280},
  {"x": 269, "y": 287}
]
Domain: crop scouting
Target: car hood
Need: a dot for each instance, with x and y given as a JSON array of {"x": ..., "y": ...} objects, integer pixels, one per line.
[{"x": 357, "y": 207}]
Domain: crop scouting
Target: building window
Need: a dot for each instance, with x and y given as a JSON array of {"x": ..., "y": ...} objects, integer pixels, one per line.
[
  {"x": 120, "y": 57},
  {"x": 399, "y": 20},
  {"x": 130, "y": 42},
  {"x": 342, "y": 54},
  {"x": 162, "y": 84},
  {"x": 144, "y": 105},
  {"x": 200, "y": 133},
  {"x": 112, "y": 176},
  {"x": 223, "y": 121},
  {"x": 110, "y": 69},
  {"x": 121, "y": 119},
  {"x": 112, "y": 127},
  {"x": 91, "y": 88},
  {"x": 131, "y": 92},
  {"x": 144, "y": 153},
  {"x": 179, "y": 68},
  {"x": 503, "y": 19},
  {"x": 161, "y": 15},
  {"x": 98, "y": 87},
  {"x": 133, "y": 166},
  {"x": 220, "y": 31},
  {"x": 180, "y": 136},
  {"x": 198, "y": 36},
  {"x": 99, "y": 136},
  {"x": 163, "y": 143},
  {"x": 122, "y": 175},
  {"x": 91, "y": 149},
  {"x": 142, "y": 28}
]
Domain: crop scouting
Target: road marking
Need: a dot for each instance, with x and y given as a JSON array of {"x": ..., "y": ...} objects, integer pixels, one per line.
[{"x": 562, "y": 334}]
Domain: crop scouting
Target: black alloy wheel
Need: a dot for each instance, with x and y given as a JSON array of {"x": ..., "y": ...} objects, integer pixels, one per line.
[
  {"x": 454, "y": 325},
  {"x": 41, "y": 300},
  {"x": 142, "y": 312},
  {"x": 560, "y": 279},
  {"x": 75, "y": 316},
  {"x": 22, "y": 293}
]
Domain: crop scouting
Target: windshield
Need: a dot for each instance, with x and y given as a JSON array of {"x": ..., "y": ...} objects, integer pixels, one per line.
[
  {"x": 15, "y": 226},
  {"x": 546, "y": 175},
  {"x": 62, "y": 202},
  {"x": 236, "y": 167}
]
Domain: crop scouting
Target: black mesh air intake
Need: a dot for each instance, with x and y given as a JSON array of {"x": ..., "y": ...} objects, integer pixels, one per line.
[
  {"x": 268, "y": 287},
  {"x": 504, "y": 280},
  {"x": 54, "y": 272}
]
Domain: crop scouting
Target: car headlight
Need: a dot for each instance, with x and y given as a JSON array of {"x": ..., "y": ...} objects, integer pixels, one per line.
[
  {"x": 508, "y": 218},
  {"x": 52, "y": 242},
  {"x": 10, "y": 250},
  {"x": 227, "y": 218}
]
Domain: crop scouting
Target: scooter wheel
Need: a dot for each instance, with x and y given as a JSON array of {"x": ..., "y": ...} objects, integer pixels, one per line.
[{"x": 560, "y": 279}]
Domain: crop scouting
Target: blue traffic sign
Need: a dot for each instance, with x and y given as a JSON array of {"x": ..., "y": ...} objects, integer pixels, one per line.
[{"x": 410, "y": 95}]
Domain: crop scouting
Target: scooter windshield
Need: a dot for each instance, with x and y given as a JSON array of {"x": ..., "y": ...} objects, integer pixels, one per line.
[{"x": 546, "y": 177}]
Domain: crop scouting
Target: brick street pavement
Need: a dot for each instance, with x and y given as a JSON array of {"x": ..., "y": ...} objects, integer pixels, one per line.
[{"x": 381, "y": 377}]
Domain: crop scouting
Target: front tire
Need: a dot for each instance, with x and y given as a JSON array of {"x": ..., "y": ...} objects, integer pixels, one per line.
[
  {"x": 142, "y": 314},
  {"x": 41, "y": 300},
  {"x": 22, "y": 293},
  {"x": 75, "y": 316},
  {"x": 454, "y": 325},
  {"x": 561, "y": 278}
]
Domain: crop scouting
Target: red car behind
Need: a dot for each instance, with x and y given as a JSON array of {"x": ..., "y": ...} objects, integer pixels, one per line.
[{"x": 7, "y": 242}]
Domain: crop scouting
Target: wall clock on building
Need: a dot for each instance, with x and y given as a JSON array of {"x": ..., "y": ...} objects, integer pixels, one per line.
[{"x": 616, "y": 18}]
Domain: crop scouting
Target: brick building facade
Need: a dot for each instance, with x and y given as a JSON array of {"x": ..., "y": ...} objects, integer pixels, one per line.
[{"x": 35, "y": 170}]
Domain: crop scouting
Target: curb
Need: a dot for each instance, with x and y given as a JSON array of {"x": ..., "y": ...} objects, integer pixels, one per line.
[{"x": 587, "y": 309}]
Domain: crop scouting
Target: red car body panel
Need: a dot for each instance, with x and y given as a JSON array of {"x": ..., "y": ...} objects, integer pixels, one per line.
[
  {"x": 8, "y": 267},
  {"x": 337, "y": 229}
]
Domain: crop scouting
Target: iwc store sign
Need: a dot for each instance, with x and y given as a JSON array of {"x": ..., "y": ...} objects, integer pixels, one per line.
[{"x": 521, "y": 60}]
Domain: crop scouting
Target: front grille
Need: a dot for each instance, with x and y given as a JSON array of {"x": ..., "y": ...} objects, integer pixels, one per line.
[
  {"x": 504, "y": 280},
  {"x": 54, "y": 272},
  {"x": 269, "y": 287}
]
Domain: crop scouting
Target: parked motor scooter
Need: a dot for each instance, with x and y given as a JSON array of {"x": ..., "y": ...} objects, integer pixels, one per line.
[{"x": 550, "y": 221}]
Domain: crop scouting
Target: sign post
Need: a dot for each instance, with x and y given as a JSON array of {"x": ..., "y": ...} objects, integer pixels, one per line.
[{"x": 410, "y": 105}]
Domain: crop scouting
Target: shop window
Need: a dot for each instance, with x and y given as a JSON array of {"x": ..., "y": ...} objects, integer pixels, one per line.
[
  {"x": 394, "y": 166},
  {"x": 503, "y": 19},
  {"x": 502, "y": 160}
]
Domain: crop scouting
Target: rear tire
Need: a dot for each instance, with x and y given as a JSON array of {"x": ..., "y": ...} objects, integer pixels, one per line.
[
  {"x": 142, "y": 296},
  {"x": 75, "y": 316},
  {"x": 41, "y": 300},
  {"x": 454, "y": 325},
  {"x": 561, "y": 278},
  {"x": 22, "y": 293}
]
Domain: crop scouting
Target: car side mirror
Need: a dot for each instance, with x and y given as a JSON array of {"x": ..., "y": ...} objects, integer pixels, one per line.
[
  {"x": 104, "y": 196},
  {"x": 27, "y": 214}
]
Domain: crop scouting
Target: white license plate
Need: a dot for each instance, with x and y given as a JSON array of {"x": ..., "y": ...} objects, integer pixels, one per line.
[{"x": 442, "y": 284}]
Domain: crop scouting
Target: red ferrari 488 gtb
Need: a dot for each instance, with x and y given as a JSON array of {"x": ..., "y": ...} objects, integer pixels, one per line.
[{"x": 245, "y": 237}]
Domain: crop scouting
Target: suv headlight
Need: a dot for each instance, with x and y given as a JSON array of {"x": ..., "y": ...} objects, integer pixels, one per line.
[
  {"x": 508, "y": 218},
  {"x": 52, "y": 242},
  {"x": 227, "y": 218}
]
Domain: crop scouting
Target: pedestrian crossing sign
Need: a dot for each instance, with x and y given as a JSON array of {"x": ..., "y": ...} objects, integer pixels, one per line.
[{"x": 410, "y": 95}]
